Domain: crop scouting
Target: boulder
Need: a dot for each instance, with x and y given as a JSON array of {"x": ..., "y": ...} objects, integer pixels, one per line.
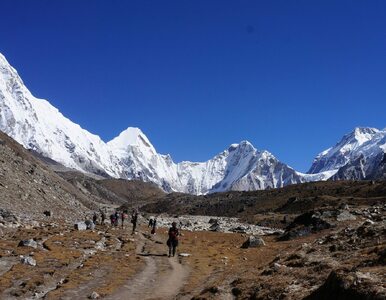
[
  {"x": 90, "y": 224},
  {"x": 94, "y": 295},
  {"x": 253, "y": 241},
  {"x": 7, "y": 216},
  {"x": 28, "y": 243},
  {"x": 80, "y": 226},
  {"x": 27, "y": 260},
  {"x": 215, "y": 227}
]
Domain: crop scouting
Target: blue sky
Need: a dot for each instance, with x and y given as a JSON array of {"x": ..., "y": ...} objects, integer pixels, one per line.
[{"x": 289, "y": 76}]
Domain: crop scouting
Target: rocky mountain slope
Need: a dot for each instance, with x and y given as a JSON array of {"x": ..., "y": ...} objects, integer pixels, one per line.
[{"x": 28, "y": 187}]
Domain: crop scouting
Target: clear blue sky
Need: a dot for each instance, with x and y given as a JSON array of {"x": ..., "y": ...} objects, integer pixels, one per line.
[{"x": 289, "y": 76}]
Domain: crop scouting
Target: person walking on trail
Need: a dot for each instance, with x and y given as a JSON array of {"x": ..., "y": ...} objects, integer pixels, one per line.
[
  {"x": 112, "y": 219},
  {"x": 150, "y": 222},
  {"x": 153, "y": 225},
  {"x": 172, "y": 241},
  {"x": 116, "y": 218},
  {"x": 94, "y": 218},
  {"x": 134, "y": 220},
  {"x": 123, "y": 217},
  {"x": 103, "y": 217}
]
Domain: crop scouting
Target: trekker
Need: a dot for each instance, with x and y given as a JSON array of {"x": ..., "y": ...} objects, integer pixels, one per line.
[
  {"x": 150, "y": 222},
  {"x": 94, "y": 218},
  {"x": 112, "y": 219},
  {"x": 123, "y": 217},
  {"x": 153, "y": 226},
  {"x": 172, "y": 242},
  {"x": 103, "y": 217},
  {"x": 134, "y": 220},
  {"x": 116, "y": 218}
]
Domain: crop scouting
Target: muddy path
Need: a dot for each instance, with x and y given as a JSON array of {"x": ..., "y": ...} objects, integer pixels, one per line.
[{"x": 161, "y": 278}]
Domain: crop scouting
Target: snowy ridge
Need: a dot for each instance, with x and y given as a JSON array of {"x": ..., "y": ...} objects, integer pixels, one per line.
[
  {"x": 357, "y": 156},
  {"x": 38, "y": 125}
]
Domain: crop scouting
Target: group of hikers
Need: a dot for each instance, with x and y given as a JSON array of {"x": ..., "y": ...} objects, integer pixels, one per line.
[
  {"x": 173, "y": 233},
  {"x": 115, "y": 217}
]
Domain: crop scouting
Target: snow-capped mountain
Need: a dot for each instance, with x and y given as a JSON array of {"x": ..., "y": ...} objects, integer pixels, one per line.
[
  {"x": 359, "y": 155},
  {"x": 37, "y": 125}
]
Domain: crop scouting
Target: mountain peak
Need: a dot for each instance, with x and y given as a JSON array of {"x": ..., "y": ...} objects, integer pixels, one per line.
[
  {"x": 132, "y": 136},
  {"x": 360, "y": 135},
  {"x": 365, "y": 130}
]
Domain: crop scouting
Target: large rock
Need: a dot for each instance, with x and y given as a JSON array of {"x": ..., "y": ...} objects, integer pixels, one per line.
[
  {"x": 253, "y": 241},
  {"x": 90, "y": 224},
  {"x": 7, "y": 216},
  {"x": 28, "y": 243},
  {"x": 80, "y": 226},
  {"x": 307, "y": 223},
  {"x": 215, "y": 227},
  {"x": 27, "y": 260}
]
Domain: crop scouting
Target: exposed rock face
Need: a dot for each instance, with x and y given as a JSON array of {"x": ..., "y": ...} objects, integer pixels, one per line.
[{"x": 29, "y": 188}]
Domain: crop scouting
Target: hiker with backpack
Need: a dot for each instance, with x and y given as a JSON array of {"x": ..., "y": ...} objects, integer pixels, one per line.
[
  {"x": 112, "y": 219},
  {"x": 116, "y": 218},
  {"x": 172, "y": 241}
]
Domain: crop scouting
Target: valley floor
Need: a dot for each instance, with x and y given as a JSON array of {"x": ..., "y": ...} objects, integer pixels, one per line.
[{"x": 347, "y": 261}]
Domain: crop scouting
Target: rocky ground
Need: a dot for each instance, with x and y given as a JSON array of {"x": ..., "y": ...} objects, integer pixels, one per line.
[{"x": 307, "y": 260}]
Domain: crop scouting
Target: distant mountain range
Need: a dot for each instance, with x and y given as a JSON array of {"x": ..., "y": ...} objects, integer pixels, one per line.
[{"x": 39, "y": 126}]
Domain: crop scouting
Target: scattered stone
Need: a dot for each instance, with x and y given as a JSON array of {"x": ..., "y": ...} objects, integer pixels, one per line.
[
  {"x": 94, "y": 295},
  {"x": 213, "y": 221},
  {"x": 28, "y": 243},
  {"x": 27, "y": 260},
  {"x": 184, "y": 254},
  {"x": 345, "y": 216},
  {"x": 277, "y": 267},
  {"x": 253, "y": 241}
]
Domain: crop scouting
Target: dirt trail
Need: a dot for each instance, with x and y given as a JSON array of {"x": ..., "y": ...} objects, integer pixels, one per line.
[{"x": 162, "y": 277}]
